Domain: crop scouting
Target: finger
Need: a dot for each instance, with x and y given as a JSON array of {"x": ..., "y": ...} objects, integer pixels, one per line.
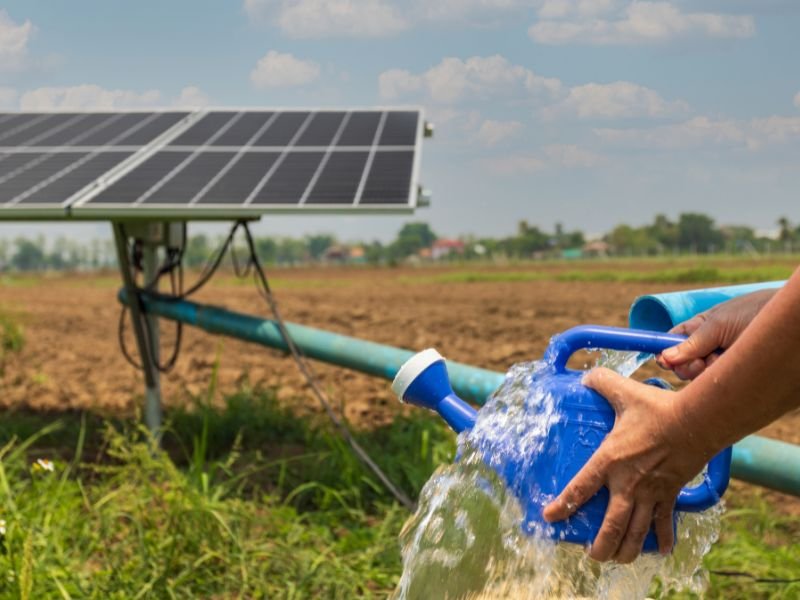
[
  {"x": 613, "y": 529},
  {"x": 689, "y": 326},
  {"x": 712, "y": 358},
  {"x": 701, "y": 343},
  {"x": 691, "y": 370},
  {"x": 663, "y": 524},
  {"x": 582, "y": 487},
  {"x": 638, "y": 528},
  {"x": 612, "y": 386}
]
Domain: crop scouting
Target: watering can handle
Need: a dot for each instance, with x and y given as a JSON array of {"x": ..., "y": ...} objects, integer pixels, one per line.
[{"x": 564, "y": 345}]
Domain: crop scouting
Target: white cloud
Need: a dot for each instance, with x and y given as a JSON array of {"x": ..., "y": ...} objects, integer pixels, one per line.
[
  {"x": 86, "y": 96},
  {"x": 90, "y": 96},
  {"x": 560, "y": 9},
  {"x": 14, "y": 38},
  {"x": 192, "y": 97},
  {"x": 555, "y": 156},
  {"x": 276, "y": 69},
  {"x": 637, "y": 22},
  {"x": 476, "y": 78},
  {"x": 395, "y": 83},
  {"x": 493, "y": 132},
  {"x": 753, "y": 134},
  {"x": 454, "y": 10},
  {"x": 620, "y": 99},
  {"x": 797, "y": 99},
  {"x": 8, "y": 98},
  {"x": 329, "y": 18}
]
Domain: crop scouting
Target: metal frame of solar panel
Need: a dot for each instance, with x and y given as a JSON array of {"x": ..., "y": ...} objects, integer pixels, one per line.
[{"x": 208, "y": 164}]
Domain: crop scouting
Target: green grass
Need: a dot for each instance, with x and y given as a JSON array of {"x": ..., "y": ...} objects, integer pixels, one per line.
[
  {"x": 247, "y": 502},
  {"x": 700, "y": 275},
  {"x": 11, "y": 337},
  {"x": 252, "y": 502}
]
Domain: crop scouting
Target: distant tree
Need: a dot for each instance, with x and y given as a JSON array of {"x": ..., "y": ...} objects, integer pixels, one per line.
[
  {"x": 786, "y": 233},
  {"x": 198, "y": 251},
  {"x": 29, "y": 256},
  {"x": 374, "y": 253},
  {"x": 664, "y": 232},
  {"x": 529, "y": 239},
  {"x": 3, "y": 253},
  {"x": 267, "y": 250},
  {"x": 291, "y": 251},
  {"x": 696, "y": 232},
  {"x": 318, "y": 244},
  {"x": 412, "y": 238}
]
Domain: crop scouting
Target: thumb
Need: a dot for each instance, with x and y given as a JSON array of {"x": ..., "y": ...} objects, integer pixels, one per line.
[
  {"x": 700, "y": 344},
  {"x": 612, "y": 386}
]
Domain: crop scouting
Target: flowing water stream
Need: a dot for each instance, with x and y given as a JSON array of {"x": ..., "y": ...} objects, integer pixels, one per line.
[{"x": 465, "y": 541}]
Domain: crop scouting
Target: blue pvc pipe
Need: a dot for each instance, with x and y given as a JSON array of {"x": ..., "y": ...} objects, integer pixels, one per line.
[
  {"x": 757, "y": 460},
  {"x": 661, "y": 312},
  {"x": 471, "y": 383}
]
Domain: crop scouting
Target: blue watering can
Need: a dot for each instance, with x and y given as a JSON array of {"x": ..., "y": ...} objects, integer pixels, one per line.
[{"x": 583, "y": 419}]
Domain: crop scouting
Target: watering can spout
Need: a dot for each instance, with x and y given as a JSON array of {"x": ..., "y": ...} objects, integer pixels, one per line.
[{"x": 423, "y": 381}]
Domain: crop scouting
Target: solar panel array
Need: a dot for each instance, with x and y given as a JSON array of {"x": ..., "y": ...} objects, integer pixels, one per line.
[{"x": 222, "y": 163}]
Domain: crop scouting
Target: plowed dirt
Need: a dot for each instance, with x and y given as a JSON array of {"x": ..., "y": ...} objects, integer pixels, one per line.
[{"x": 71, "y": 358}]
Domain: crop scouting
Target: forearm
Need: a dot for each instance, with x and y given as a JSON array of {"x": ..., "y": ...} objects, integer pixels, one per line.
[{"x": 754, "y": 382}]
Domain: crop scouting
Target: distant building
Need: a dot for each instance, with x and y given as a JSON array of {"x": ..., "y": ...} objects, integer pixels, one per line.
[
  {"x": 445, "y": 248},
  {"x": 358, "y": 255},
  {"x": 336, "y": 254},
  {"x": 596, "y": 248}
]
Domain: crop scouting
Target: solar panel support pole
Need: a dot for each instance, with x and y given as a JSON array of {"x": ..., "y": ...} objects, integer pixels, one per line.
[
  {"x": 152, "y": 399},
  {"x": 142, "y": 323}
]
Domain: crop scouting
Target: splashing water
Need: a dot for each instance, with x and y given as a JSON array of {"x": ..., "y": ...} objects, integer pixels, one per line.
[{"x": 465, "y": 539}]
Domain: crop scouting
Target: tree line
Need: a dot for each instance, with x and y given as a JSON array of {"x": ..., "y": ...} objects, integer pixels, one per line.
[{"x": 691, "y": 233}]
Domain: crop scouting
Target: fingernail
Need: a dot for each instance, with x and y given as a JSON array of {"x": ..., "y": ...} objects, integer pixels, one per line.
[{"x": 671, "y": 353}]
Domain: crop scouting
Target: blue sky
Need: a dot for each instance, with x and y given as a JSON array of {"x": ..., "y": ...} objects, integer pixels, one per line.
[{"x": 584, "y": 112}]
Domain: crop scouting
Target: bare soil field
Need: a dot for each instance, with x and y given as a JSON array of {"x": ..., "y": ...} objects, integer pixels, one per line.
[{"x": 71, "y": 359}]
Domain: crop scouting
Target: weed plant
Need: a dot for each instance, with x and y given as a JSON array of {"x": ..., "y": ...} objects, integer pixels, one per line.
[{"x": 252, "y": 502}]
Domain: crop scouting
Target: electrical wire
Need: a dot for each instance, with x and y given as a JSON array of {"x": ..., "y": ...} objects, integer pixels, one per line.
[
  {"x": 253, "y": 264},
  {"x": 310, "y": 376},
  {"x": 754, "y": 578}
]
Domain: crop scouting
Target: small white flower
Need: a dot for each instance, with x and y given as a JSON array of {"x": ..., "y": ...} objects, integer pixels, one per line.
[
  {"x": 2, "y": 527},
  {"x": 42, "y": 464}
]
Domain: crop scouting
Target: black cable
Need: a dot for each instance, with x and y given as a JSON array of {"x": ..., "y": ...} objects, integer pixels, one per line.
[
  {"x": 311, "y": 378},
  {"x": 305, "y": 368},
  {"x": 754, "y": 578}
]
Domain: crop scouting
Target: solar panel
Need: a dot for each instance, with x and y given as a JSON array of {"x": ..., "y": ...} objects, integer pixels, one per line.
[{"x": 207, "y": 164}]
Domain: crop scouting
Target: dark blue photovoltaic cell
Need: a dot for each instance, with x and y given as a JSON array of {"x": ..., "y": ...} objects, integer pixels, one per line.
[
  {"x": 282, "y": 130},
  {"x": 290, "y": 180},
  {"x": 76, "y": 179},
  {"x": 340, "y": 178},
  {"x": 76, "y": 132},
  {"x": 11, "y": 162},
  {"x": 202, "y": 131},
  {"x": 35, "y": 128},
  {"x": 389, "y": 179},
  {"x": 360, "y": 129},
  {"x": 235, "y": 185},
  {"x": 240, "y": 133},
  {"x": 151, "y": 130},
  {"x": 184, "y": 185},
  {"x": 35, "y": 172},
  {"x": 235, "y": 159},
  {"x": 400, "y": 129},
  {"x": 124, "y": 127},
  {"x": 321, "y": 129},
  {"x": 130, "y": 188}
]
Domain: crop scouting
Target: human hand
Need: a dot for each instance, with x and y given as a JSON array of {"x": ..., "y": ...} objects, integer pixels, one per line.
[
  {"x": 645, "y": 460},
  {"x": 715, "y": 329}
]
